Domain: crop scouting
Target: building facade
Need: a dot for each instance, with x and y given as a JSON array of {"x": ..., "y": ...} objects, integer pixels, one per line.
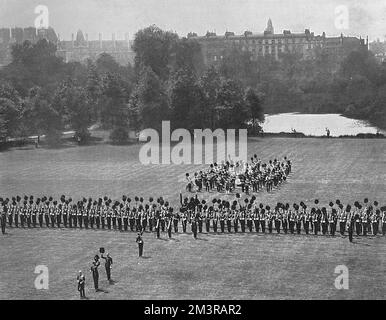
[
  {"x": 79, "y": 49},
  {"x": 269, "y": 43},
  {"x": 11, "y": 36}
]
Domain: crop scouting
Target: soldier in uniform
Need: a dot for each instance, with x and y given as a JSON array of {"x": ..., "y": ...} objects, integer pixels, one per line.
[
  {"x": 357, "y": 218},
  {"x": 342, "y": 217},
  {"x": 249, "y": 218},
  {"x": 95, "y": 273},
  {"x": 80, "y": 214},
  {"x": 207, "y": 218},
  {"x": 364, "y": 220},
  {"x": 81, "y": 281},
  {"x": 169, "y": 222},
  {"x": 65, "y": 213},
  {"x": 256, "y": 220},
  {"x": 199, "y": 220},
  {"x": 92, "y": 214},
  {"x": 23, "y": 213},
  {"x": 59, "y": 215},
  {"x": 374, "y": 222},
  {"x": 324, "y": 221},
  {"x": 126, "y": 218},
  {"x": 214, "y": 217},
  {"x": 306, "y": 219},
  {"x": 222, "y": 220},
  {"x": 108, "y": 215},
  {"x": 176, "y": 218},
  {"x": 332, "y": 221},
  {"x": 298, "y": 220},
  {"x": 383, "y": 209},
  {"x": 236, "y": 218},
  {"x": 17, "y": 211},
  {"x": 162, "y": 220},
  {"x": 86, "y": 213},
  {"x": 140, "y": 242},
  {"x": 119, "y": 216},
  {"x": 29, "y": 213},
  {"x": 158, "y": 223},
  {"x": 350, "y": 223},
  {"x": 3, "y": 215},
  {"x": 262, "y": 220},
  {"x": 70, "y": 214},
  {"x": 35, "y": 212},
  {"x": 184, "y": 219},
  {"x": 285, "y": 218},
  {"x": 114, "y": 216},
  {"x": 242, "y": 219},
  {"x": 229, "y": 221},
  {"x": 291, "y": 218},
  {"x": 108, "y": 265},
  {"x": 317, "y": 221},
  {"x": 40, "y": 209}
]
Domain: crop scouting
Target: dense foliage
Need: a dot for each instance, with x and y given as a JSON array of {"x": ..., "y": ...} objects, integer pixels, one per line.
[{"x": 42, "y": 95}]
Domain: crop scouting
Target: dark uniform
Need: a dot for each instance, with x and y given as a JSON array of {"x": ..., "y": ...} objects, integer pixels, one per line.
[
  {"x": 81, "y": 280},
  {"x": 108, "y": 264},
  {"x": 95, "y": 273},
  {"x": 140, "y": 242}
]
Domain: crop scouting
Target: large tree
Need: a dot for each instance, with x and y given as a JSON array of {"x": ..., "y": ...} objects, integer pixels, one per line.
[
  {"x": 155, "y": 48},
  {"x": 149, "y": 101},
  {"x": 186, "y": 101},
  {"x": 231, "y": 109},
  {"x": 254, "y": 103}
]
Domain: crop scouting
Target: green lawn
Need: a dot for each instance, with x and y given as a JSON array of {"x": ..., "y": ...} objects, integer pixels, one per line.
[{"x": 215, "y": 266}]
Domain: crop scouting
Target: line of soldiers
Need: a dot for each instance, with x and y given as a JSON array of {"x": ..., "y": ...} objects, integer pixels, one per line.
[
  {"x": 219, "y": 216},
  {"x": 86, "y": 213},
  {"x": 249, "y": 216},
  {"x": 252, "y": 176}
]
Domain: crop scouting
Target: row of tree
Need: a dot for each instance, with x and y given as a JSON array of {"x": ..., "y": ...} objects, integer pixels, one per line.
[{"x": 42, "y": 95}]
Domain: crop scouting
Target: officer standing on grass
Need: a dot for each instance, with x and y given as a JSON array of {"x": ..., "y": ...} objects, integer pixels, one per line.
[
  {"x": 95, "y": 273},
  {"x": 140, "y": 244},
  {"x": 81, "y": 280},
  {"x": 108, "y": 265}
]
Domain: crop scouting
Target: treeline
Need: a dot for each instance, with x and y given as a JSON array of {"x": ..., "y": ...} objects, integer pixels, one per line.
[{"x": 42, "y": 95}]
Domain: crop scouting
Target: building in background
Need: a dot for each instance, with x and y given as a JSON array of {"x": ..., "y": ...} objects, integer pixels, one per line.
[
  {"x": 77, "y": 49},
  {"x": 80, "y": 48},
  {"x": 306, "y": 44},
  {"x": 11, "y": 36}
]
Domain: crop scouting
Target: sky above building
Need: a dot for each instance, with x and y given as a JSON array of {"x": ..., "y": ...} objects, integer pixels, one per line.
[{"x": 365, "y": 17}]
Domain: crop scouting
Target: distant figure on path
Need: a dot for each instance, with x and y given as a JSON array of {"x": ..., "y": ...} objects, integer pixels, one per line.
[{"x": 328, "y": 132}]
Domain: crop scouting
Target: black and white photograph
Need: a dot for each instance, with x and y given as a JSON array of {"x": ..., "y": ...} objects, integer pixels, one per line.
[{"x": 179, "y": 150}]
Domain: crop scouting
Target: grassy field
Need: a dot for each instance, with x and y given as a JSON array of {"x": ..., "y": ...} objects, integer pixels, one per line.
[{"x": 215, "y": 266}]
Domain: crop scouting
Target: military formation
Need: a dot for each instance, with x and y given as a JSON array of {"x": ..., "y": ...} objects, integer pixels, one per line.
[
  {"x": 249, "y": 177},
  {"x": 194, "y": 215}
]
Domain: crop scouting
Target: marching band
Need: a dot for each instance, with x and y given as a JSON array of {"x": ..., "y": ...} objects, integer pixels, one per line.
[{"x": 250, "y": 177}]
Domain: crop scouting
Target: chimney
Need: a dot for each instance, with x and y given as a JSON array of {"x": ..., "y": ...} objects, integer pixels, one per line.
[
  {"x": 100, "y": 41},
  {"x": 72, "y": 40}
]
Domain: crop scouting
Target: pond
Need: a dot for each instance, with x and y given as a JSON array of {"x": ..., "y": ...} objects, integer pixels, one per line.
[{"x": 316, "y": 124}]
